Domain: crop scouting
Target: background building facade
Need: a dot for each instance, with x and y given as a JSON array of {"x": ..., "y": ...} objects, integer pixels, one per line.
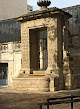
[{"x": 10, "y": 37}]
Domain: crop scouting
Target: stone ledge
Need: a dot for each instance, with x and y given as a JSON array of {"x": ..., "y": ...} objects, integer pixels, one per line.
[
  {"x": 36, "y": 75},
  {"x": 30, "y": 78},
  {"x": 32, "y": 89}
]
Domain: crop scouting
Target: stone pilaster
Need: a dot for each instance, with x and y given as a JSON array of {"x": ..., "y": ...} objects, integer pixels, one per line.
[
  {"x": 25, "y": 44},
  {"x": 66, "y": 66},
  {"x": 52, "y": 46},
  {"x": 60, "y": 50}
]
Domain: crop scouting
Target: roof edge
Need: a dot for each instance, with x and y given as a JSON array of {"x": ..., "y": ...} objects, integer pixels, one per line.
[{"x": 35, "y": 14}]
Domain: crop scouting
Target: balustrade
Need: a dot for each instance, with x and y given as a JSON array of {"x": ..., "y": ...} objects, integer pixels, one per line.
[{"x": 4, "y": 46}]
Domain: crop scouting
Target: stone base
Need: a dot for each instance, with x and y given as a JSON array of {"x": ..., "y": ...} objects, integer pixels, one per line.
[
  {"x": 72, "y": 81},
  {"x": 31, "y": 84},
  {"x": 75, "y": 81}
]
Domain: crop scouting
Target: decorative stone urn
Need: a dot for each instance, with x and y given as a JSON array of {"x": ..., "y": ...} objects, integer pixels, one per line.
[{"x": 43, "y": 3}]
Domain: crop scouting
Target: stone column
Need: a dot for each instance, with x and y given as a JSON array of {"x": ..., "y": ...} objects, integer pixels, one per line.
[
  {"x": 60, "y": 50},
  {"x": 66, "y": 67},
  {"x": 52, "y": 47},
  {"x": 52, "y": 51},
  {"x": 25, "y": 44},
  {"x": 41, "y": 55}
]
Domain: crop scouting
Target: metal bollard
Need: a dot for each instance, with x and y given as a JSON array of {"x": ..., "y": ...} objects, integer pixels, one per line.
[
  {"x": 71, "y": 101},
  {"x": 40, "y": 106},
  {"x": 47, "y": 104}
]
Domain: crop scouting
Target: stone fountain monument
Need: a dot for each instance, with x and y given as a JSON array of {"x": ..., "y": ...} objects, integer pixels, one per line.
[{"x": 42, "y": 46}]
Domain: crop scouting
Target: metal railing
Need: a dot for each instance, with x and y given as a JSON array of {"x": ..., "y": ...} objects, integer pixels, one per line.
[{"x": 60, "y": 100}]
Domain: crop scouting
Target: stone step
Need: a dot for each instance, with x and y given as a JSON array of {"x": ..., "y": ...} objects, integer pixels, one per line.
[
  {"x": 31, "y": 84},
  {"x": 36, "y": 75},
  {"x": 39, "y": 72}
]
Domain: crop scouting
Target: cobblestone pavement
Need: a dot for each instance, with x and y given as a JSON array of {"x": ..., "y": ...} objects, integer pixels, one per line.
[{"x": 20, "y": 100}]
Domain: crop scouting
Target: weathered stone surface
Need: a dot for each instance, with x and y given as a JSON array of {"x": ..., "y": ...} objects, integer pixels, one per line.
[
  {"x": 31, "y": 25},
  {"x": 31, "y": 84}
]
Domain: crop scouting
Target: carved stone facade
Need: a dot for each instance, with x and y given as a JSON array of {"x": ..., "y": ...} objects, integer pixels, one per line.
[
  {"x": 51, "y": 34},
  {"x": 31, "y": 26}
]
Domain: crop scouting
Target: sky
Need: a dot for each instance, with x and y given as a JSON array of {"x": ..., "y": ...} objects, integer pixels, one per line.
[{"x": 55, "y": 3}]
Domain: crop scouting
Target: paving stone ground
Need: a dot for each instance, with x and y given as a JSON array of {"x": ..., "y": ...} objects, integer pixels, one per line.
[{"x": 10, "y": 99}]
